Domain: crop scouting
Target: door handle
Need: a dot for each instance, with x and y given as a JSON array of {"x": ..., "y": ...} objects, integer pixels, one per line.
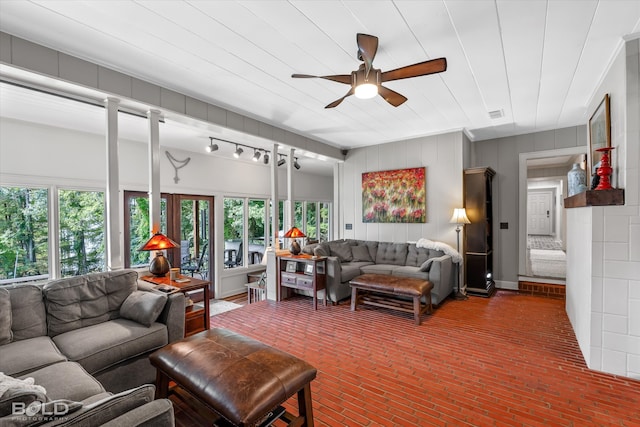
[{"x": 547, "y": 214}]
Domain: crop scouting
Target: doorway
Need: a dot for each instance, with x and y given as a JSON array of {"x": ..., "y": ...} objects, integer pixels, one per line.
[
  {"x": 542, "y": 189},
  {"x": 186, "y": 219}
]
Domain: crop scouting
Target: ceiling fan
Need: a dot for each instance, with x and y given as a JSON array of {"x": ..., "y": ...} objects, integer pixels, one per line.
[{"x": 366, "y": 81}]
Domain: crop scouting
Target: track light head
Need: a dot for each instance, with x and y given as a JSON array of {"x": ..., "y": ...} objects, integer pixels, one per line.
[
  {"x": 281, "y": 161},
  {"x": 211, "y": 147},
  {"x": 265, "y": 158},
  {"x": 256, "y": 156},
  {"x": 295, "y": 163},
  {"x": 238, "y": 152}
]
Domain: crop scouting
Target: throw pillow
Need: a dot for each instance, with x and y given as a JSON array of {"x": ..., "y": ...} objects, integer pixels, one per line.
[
  {"x": 6, "y": 336},
  {"x": 361, "y": 253},
  {"x": 426, "y": 266},
  {"x": 321, "y": 250},
  {"x": 143, "y": 307},
  {"x": 341, "y": 250}
]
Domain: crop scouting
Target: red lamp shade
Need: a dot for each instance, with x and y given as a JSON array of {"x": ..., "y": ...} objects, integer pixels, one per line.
[
  {"x": 159, "y": 265},
  {"x": 293, "y": 234}
]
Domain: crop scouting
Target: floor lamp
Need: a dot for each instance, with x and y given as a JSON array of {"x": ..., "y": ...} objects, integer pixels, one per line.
[{"x": 460, "y": 219}]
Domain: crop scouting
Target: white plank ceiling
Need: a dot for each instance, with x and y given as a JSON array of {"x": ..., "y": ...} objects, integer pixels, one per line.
[{"x": 538, "y": 61}]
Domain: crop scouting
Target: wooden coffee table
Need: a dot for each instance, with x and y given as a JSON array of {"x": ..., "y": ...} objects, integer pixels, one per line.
[{"x": 383, "y": 290}]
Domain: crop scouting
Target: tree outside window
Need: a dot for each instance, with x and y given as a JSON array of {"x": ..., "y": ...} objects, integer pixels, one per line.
[
  {"x": 24, "y": 231},
  {"x": 233, "y": 232},
  {"x": 82, "y": 229}
]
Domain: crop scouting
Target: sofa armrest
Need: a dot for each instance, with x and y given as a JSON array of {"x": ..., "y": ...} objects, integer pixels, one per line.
[
  {"x": 173, "y": 313},
  {"x": 442, "y": 278}
]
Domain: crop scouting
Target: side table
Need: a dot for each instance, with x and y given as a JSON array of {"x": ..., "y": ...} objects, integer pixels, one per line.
[
  {"x": 196, "y": 316},
  {"x": 304, "y": 272}
]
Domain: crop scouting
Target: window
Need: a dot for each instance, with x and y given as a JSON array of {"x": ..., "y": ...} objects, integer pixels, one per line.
[
  {"x": 240, "y": 215},
  {"x": 82, "y": 230},
  {"x": 187, "y": 219},
  {"x": 256, "y": 227},
  {"x": 311, "y": 221},
  {"x": 233, "y": 232},
  {"x": 137, "y": 205},
  {"x": 325, "y": 210},
  {"x": 24, "y": 233},
  {"x": 27, "y": 238}
]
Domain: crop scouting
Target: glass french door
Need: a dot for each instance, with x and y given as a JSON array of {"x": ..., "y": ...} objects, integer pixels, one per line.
[{"x": 186, "y": 219}]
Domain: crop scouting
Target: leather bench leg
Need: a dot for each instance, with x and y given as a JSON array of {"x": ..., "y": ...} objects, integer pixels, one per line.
[
  {"x": 416, "y": 310},
  {"x": 162, "y": 385},
  {"x": 354, "y": 298}
]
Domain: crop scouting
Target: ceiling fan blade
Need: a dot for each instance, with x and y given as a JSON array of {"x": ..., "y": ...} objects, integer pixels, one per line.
[
  {"x": 338, "y": 101},
  {"x": 340, "y": 78},
  {"x": 367, "y": 48},
  {"x": 392, "y": 97},
  {"x": 420, "y": 69}
]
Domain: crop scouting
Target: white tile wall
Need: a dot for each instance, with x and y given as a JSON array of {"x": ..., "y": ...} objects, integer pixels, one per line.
[
  {"x": 614, "y": 323},
  {"x": 616, "y": 251},
  {"x": 633, "y": 366},
  {"x": 634, "y": 242},
  {"x": 597, "y": 295},
  {"x": 596, "y": 330},
  {"x": 613, "y": 341},
  {"x": 616, "y": 231},
  {"x": 614, "y": 362},
  {"x": 615, "y": 296},
  {"x": 634, "y": 319},
  {"x": 634, "y": 289},
  {"x": 595, "y": 358},
  {"x": 622, "y": 269}
]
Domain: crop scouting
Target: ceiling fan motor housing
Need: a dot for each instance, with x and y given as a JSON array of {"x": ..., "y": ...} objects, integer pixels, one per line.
[{"x": 359, "y": 76}]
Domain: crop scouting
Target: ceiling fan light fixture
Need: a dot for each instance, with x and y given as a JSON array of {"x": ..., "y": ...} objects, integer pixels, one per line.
[{"x": 366, "y": 91}]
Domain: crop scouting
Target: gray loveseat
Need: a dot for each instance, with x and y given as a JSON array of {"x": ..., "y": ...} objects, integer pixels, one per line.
[
  {"x": 350, "y": 258},
  {"x": 84, "y": 338}
]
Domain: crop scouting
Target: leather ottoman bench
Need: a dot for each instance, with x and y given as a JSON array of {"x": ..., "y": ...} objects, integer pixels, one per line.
[
  {"x": 396, "y": 286},
  {"x": 239, "y": 378}
]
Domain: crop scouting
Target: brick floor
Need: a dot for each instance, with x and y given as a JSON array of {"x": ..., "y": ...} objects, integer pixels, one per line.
[{"x": 509, "y": 360}]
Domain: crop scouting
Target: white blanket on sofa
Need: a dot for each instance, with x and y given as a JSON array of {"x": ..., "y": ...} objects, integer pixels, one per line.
[{"x": 439, "y": 246}]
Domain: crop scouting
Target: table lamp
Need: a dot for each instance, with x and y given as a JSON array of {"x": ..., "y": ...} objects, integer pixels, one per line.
[
  {"x": 459, "y": 218},
  {"x": 294, "y": 233},
  {"x": 159, "y": 265}
]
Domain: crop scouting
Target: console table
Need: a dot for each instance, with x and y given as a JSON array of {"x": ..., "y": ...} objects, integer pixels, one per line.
[
  {"x": 304, "y": 272},
  {"x": 196, "y": 315}
]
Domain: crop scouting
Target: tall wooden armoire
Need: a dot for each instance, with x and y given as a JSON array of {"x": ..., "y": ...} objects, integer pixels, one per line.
[{"x": 478, "y": 248}]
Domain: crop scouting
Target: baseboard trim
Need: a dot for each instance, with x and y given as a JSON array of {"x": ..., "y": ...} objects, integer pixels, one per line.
[{"x": 504, "y": 284}]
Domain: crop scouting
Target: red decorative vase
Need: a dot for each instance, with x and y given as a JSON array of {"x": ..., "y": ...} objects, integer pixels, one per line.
[{"x": 605, "y": 170}]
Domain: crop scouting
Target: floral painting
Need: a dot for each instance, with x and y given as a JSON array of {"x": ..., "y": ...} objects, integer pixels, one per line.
[{"x": 394, "y": 196}]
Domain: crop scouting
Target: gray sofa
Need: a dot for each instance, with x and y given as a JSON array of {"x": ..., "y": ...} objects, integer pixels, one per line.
[
  {"x": 350, "y": 258},
  {"x": 83, "y": 339}
]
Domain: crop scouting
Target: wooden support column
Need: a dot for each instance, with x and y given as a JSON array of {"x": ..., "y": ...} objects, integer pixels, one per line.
[
  {"x": 112, "y": 196},
  {"x": 154, "y": 171}
]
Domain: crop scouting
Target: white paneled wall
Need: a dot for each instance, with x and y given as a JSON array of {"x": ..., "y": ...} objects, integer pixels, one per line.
[{"x": 442, "y": 155}]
